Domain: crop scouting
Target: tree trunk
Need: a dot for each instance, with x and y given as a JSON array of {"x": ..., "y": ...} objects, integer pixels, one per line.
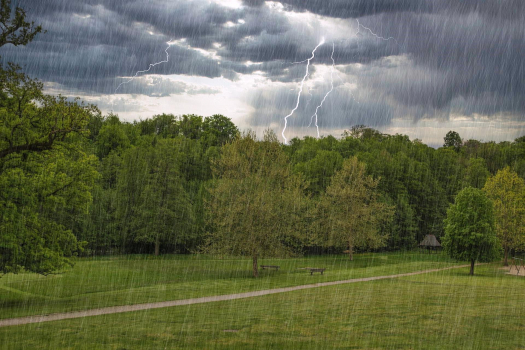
[
  {"x": 351, "y": 252},
  {"x": 472, "y": 267},
  {"x": 506, "y": 261},
  {"x": 157, "y": 246},
  {"x": 255, "y": 269}
]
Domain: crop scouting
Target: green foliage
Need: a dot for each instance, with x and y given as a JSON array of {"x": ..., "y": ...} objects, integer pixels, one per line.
[
  {"x": 33, "y": 122},
  {"x": 154, "y": 207},
  {"x": 319, "y": 170},
  {"x": 255, "y": 201},
  {"x": 452, "y": 139},
  {"x": 470, "y": 233},
  {"x": 111, "y": 137},
  {"x": 447, "y": 171},
  {"x": 213, "y": 131},
  {"x": 218, "y": 130},
  {"x": 476, "y": 173},
  {"x": 363, "y": 132},
  {"x": 43, "y": 170},
  {"x": 164, "y": 125},
  {"x": 507, "y": 191},
  {"x": 403, "y": 226},
  {"x": 419, "y": 182},
  {"x": 191, "y": 126},
  {"x": 44, "y": 173},
  {"x": 350, "y": 211},
  {"x": 15, "y": 29}
]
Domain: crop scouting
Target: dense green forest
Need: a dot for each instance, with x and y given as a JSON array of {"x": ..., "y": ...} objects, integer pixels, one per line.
[
  {"x": 73, "y": 181},
  {"x": 156, "y": 174}
]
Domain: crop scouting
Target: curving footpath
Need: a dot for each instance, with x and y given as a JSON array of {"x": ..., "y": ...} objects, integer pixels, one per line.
[{"x": 137, "y": 307}]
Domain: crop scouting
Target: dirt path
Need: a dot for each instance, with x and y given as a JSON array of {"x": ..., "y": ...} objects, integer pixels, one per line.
[{"x": 137, "y": 307}]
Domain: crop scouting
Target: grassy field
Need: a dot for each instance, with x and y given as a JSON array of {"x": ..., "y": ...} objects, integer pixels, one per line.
[
  {"x": 101, "y": 282},
  {"x": 441, "y": 310}
]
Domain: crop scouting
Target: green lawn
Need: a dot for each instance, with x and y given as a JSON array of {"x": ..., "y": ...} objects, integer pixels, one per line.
[
  {"x": 441, "y": 310},
  {"x": 101, "y": 282}
]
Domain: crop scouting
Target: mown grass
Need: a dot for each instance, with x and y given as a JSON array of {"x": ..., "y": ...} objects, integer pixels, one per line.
[
  {"x": 110, "y": 281},
  {"x": 441, "y": 310}
]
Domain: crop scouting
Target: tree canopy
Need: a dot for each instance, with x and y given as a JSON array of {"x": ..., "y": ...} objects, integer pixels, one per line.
[
  {"x": 44, "y": 169},
  {"x": 470, "y": 232},
  {"x": 452, "y": 139},
  {"x": 507, "y": 191},
  {"x": 255, "y": 201},
  {"x": 14, "y": 27},
  {"x": 350, "y": 210}
]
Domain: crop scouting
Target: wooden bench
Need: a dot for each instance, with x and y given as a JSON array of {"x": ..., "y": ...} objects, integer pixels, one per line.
[
  {"x": 270, "y": 267},
  {"x": 312, "y": 270}
]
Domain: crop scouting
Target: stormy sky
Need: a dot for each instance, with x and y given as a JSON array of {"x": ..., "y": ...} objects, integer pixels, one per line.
[{"x": 418, "y": 67}]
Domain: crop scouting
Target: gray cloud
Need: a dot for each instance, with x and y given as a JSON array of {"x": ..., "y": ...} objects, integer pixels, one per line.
[
  {"x": 351, "y": 8},
  {"x": 458, "y": 56},
  {"x": 156, "y": 86}
]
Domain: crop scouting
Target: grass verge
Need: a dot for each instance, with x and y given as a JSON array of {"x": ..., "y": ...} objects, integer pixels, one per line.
[
  {"x": 442, "y": 310},
  {"x": 125, "y": 280}
]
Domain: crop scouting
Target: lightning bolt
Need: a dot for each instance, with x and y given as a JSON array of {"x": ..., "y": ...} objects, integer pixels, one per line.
[
  {"x": 328, "y": 93},
  {"x": 371, "y": 32},
  {"x": 150, "y": 66},
  {"x": 300, "y": 89}
]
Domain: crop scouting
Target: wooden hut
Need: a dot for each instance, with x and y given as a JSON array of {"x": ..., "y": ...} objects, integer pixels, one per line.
[{"x": 430, "y": 243}]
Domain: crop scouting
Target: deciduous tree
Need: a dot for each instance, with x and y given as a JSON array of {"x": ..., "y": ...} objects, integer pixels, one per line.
[
  {"x": 255, "y": 201},
  {"x": 153, "y": 204},
  {"x": 44, "y": 172},
  {"x": 14, "y": 27},
  {"x": 507, "y": 191},
  {"x": 470, "y": 232},
  {"x": 452, "y": 139},
  {"x": 351, "y": 212},
  {"x": 476, "y": 173},
  {"x": 218, "y": 130}
]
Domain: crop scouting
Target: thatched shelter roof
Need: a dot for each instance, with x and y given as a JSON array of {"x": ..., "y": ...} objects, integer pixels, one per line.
[{"x": 429, "y": 241}]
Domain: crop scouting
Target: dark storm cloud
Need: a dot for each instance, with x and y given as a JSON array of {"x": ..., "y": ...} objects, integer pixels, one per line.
[
  {"x": 98, "y": 68},
  {"x": 89, "y": 44},
  {"x": 455, "y": 56},
  {"x": 464, "y": 56},
  {"x": 176, "y": 18},
  {"x": 502, "y": 9},
  {"x": 351, "y": 8}
]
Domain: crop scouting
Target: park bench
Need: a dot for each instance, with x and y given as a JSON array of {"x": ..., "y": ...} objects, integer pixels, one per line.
[
  {"x": 312, "y": 269},
  {"x": 270, "y": 267}
]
